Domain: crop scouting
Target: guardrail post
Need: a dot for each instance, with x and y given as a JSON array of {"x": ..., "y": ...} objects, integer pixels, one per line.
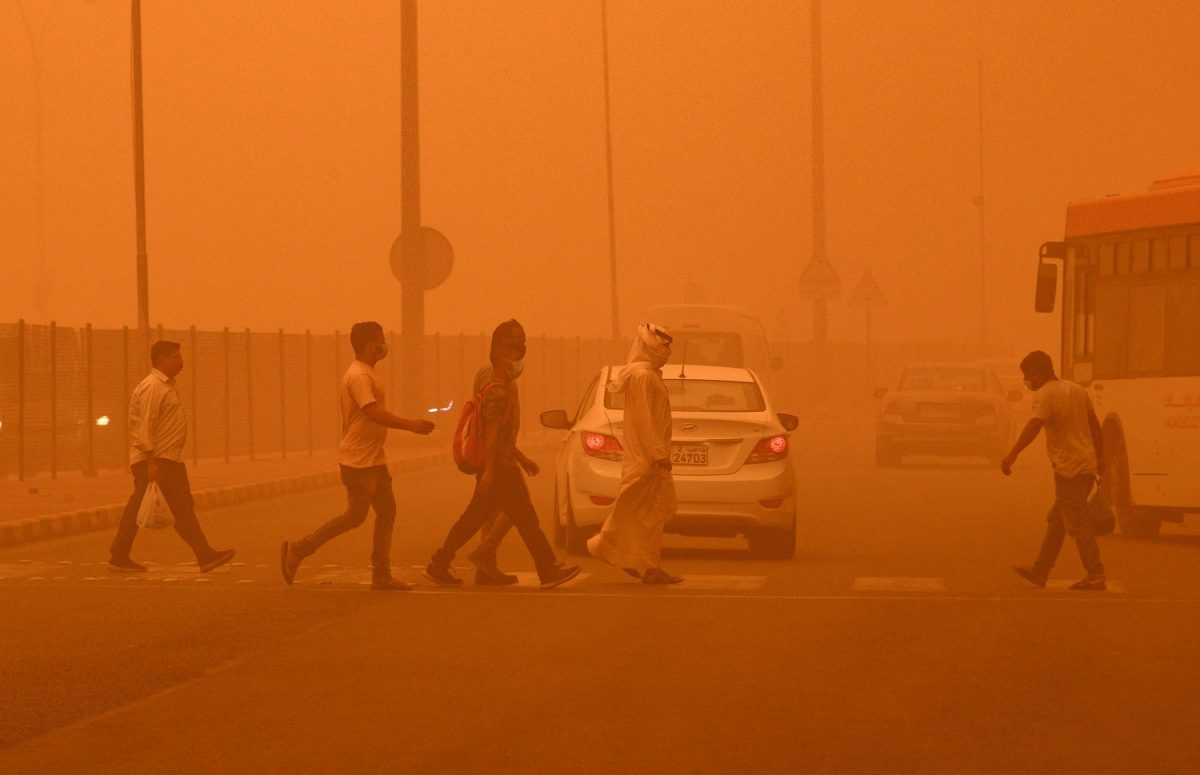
[
  {"x": 282, "y": 400},
  {"x": 21, "y": 400},
  {"x": 249, "y": 398},
  {"x": 53, "y": 400},
  {"x": 228, "y": 408},
  {"x": 308, "y": 386},
  {"x": 195, "y": 399},
  {"x": 90, "y": 416}
]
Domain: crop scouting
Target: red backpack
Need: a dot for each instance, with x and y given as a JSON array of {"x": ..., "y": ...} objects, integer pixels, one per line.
[{"x": 468, "y": 436}]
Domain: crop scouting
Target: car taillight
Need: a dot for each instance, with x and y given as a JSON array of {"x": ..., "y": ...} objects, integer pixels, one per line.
[
  {"x": 769, "y": 449},
  {"x": 601, "y": 446}
]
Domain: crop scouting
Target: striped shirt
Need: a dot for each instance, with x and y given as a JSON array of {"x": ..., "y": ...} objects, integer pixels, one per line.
[{"x": 156, "y": 423}]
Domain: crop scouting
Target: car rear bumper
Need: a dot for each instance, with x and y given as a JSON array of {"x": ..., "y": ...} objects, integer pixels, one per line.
[
  {"x": 935, "y": 438},
  {"x": 756, "y": 497}
]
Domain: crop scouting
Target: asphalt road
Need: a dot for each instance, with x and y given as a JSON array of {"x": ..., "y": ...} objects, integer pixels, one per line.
[{"x": 898, "y": 640}]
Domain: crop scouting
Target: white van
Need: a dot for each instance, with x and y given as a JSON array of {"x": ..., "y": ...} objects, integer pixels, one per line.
[{"x": 709, "y": 335}]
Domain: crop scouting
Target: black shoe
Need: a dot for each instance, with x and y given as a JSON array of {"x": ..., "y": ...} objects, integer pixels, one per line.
[
  {"x": 125, "y": 565},
  {"x": 494, "y": 578},
  {"x": 559, "y": 576},
  {"x": 1029, "y": 574},
  {"x": 441, "y": 576},
  {"x": 216, "y": 560}
]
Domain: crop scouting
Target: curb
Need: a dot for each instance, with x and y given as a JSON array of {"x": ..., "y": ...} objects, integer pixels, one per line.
[{"x": 21, "y": 531}]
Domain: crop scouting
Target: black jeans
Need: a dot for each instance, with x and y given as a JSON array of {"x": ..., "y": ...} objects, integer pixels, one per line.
[
  {"x": 173, "y": 481},
  {"x": 510, "y": 495},
  {"x": 1069, "y": 515},
  {"x": 366, "y": 488}
]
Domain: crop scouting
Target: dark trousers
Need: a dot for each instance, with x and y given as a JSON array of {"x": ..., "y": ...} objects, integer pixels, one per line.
[
  {"x": 510, "y": 495},
  {"x": 173, "y": 481},
  {"x": 1069, "y": 515},
  {"x": 366, "y": 488}
]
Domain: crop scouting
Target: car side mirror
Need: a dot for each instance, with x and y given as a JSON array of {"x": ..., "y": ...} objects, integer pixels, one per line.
[
  {"x": 1014, "y": 395},
  {"x": 556, "y": 419},
  {"x": 776, "y": 363},
  {"x": 790, "y": 422},
  {"x": 880, "y": 392}
]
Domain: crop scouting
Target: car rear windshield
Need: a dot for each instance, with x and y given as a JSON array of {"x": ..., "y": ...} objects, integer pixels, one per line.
[
  {"x": 703, "y": 395},
  {"x": 966, "y": 380},
  {"x": 707, "y": 348}
]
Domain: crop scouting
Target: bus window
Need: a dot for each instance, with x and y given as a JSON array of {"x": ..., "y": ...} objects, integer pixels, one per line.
[
  {"x": 1112, "y": 319},
  {"x": 1141, "y": 256},
  {"x": 1085, "y": 304},
  {"x": 1178, "y": 250},
  {"x": 1147, "y": 327},
  {"x": 1158, "y": 254},
  {"x": 1108, "y": 260},
  {"x": 1183, "y": 322},
  {"x": 1122, "y": 257}
]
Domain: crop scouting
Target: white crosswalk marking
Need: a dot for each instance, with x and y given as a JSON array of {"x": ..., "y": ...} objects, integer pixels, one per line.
[
  {"x": 899, "y": 584},
  {"x": 1062, "y": 585}
]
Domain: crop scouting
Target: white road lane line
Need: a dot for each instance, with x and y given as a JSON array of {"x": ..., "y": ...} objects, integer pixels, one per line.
[
  {"x": 898, "y": 584},
  {"x": 1113, "y": 587}
]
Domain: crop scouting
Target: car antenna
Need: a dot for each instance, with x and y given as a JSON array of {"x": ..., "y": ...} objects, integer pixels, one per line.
[{"x": 683, "y": 360}]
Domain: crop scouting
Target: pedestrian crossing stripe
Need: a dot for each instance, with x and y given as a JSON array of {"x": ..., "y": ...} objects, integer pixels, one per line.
[
  {"x": 1112, "y": 587},
  {"x": 898, "y": 584}
]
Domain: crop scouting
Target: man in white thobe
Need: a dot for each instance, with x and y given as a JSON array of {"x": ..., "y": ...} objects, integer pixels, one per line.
[{"x": 631, "y": 538}]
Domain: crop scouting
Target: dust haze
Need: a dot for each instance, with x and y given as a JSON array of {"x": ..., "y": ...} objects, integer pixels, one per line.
[{"x": 272, "y": 153}]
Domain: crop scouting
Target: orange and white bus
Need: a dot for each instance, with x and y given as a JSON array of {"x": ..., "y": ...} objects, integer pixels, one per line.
[{"x": 1131, "y": 335}]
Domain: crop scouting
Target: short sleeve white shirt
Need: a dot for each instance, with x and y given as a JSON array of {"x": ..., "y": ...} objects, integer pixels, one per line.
[
  {"x": 1063, "y": 408},
  {"x": 362, "y": 438}
]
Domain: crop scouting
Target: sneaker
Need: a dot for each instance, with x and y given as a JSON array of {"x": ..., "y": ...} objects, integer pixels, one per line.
[
  {"x": 1090, "y": 583},
  {"x": 487, "y": 572},
  {"x": 217, "y": 559},
  {"x": 441, "y": 576},
  {"x": 494, "y": 578},
  {"x": 559, "y": 576},
  {"x": 289, "y": 562},
  {"x": 1029, "y": 574},
  {"x": 125, "y": 565},
  {"x": 391, "y": 585}
]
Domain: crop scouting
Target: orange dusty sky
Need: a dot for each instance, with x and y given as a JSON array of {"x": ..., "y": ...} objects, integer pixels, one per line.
[{"x": 273, "y": 155}]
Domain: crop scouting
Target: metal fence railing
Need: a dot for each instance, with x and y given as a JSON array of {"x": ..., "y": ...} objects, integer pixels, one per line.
[{"x": 64, "y": 392}]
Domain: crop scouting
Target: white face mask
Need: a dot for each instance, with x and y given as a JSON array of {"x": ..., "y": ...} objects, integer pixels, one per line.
[
  {"x": 516, "y": 368},
  {"x": 1029, "y": 384}
]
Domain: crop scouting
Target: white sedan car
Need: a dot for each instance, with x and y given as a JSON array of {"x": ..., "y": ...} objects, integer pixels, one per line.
[{"x": 729, "y": 450}]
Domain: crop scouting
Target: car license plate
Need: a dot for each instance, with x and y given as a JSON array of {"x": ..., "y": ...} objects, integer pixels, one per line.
[
  {"x": 939, "y": 411},
  {"x": 689, "y": 454}
]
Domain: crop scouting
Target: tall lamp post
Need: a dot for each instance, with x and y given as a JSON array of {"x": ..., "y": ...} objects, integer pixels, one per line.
[
  {"x": 139, "y": 167},
  {"x": 608, "y": 156}
]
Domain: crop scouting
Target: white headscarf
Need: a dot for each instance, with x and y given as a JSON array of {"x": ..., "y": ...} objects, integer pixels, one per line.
[{"x": 647, "y": 354}]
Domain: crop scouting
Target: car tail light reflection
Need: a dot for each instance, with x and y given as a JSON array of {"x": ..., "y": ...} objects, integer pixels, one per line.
[
  {"x": 601, "y": 446},
  {"x": 769, "y": 450}
]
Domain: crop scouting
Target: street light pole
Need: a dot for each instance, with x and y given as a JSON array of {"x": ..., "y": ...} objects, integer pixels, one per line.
[
  {"x": 983, "y": 331},
  {"x": 608, "y": 156},
  {"x": 139, "y": 168},
  {"x": 412, "y": 286},
  {"x": 41, "y": 285}
]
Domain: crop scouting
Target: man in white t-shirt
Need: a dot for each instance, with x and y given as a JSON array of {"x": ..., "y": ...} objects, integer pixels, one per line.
[
  {"x": 1074, "y": 443},
  {"x": 362, "y": 461}
]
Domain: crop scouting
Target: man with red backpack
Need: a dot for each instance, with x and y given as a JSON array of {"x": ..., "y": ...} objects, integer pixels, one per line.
[{"x": 499, "y": 484}]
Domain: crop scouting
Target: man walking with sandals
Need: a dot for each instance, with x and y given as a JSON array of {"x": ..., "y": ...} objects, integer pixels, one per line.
[
  {"x": 631, "y": 538},
  {"x": 1074, "y": 442}
]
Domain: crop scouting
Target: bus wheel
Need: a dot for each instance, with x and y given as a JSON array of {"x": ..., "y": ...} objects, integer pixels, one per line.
[{"x": 1135, "y": 521}]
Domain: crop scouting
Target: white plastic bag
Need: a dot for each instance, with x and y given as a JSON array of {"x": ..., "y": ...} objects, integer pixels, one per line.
[{"x": 154, "y": 511}]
